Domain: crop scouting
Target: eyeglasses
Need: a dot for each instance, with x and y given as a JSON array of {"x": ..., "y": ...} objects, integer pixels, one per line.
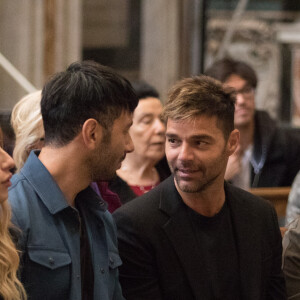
[{"x": 246, "y": 92}]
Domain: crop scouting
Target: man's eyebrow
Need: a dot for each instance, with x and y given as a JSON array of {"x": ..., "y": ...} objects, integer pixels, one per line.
[
  {"x": 201, "y": 136},
  {"x": 193, "y": 137},
  {"x": 171, "y": 135}
]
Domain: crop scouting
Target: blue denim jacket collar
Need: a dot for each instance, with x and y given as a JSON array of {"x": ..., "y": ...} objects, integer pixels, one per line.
[
  {"x": 48, "y": 190},
  {"x": 44, "y": 184}
]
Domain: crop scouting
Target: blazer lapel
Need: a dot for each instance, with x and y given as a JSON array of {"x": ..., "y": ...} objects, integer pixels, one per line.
[
  {"x": 248, "y": 245},
  {"x": 180, "y": 233}
]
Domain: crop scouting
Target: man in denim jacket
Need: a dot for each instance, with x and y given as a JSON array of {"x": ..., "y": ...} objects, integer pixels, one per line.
[{"x": 67, "y": 237}]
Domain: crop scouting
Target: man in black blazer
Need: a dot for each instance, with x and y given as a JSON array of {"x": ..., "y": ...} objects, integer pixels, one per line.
[{"x": 196, "y": 236}]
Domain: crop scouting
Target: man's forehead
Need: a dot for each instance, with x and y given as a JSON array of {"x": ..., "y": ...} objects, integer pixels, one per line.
[
  {"x": 195, "y": 124},
  {"x": 236, "y": 81}
]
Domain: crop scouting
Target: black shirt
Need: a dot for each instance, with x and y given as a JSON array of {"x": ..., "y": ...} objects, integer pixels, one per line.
[
  {"x": 217, "y": 246},
  {"x": 87, "y": 273}
]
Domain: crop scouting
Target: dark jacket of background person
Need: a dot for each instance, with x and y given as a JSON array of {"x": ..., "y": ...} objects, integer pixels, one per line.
[
  {"x": 276, "y": 153},
  {"x": 123, "y": 190},
  {"x": 160, "y": 254}
]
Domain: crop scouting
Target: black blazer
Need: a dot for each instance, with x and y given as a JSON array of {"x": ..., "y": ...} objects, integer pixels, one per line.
[{"x": 159, "y": 252}]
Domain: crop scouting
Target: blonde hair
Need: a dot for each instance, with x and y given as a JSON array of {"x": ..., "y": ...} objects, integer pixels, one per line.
[
  {"x": 10, "y": 286},
  {"x": 26, "y": 120}
]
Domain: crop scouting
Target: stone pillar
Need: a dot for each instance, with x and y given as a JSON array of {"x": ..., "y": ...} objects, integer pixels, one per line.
[
  {"x": 23, "y": 36},
  {"x": 160, "y": 48},
  {"x": 68, "y": 26}
]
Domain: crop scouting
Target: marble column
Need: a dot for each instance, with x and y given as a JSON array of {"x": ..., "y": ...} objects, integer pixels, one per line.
[
  {"x": 23, "y": 41},
  {"x": 160, "y": 48}
]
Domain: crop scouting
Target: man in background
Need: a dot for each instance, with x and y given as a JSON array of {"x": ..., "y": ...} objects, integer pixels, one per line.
[
  {"x": 68, "y": 239},
  {"x": 267, "y": 155}
]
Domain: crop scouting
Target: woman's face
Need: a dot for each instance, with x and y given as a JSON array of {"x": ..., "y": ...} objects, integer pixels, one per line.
[
  {"x": 6, "y": 164},
  {"x": 148, "y": 131}
]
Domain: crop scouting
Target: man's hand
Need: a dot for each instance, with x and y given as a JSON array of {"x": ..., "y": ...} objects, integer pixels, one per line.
[{"x": 234, "y": 164}]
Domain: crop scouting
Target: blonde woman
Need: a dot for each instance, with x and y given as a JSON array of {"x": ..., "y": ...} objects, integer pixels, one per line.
[
  {"x": 26, "y": 120},
  {"x": 10, "y": 287}
]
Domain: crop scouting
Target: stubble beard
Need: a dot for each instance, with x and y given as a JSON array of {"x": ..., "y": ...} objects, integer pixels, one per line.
[
  {"x": 200, "y": 185},
  {"x": 195, "y": 187},
  {"x": 102, "y": 161},
  {"x": 192, "y": 186}
]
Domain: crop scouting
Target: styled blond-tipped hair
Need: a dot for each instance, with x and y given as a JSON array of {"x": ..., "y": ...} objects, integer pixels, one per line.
[
  {"x": 26, "y": 120},
  {"x": 201, "y": 95},
  {"x": 10, "y": 286}
]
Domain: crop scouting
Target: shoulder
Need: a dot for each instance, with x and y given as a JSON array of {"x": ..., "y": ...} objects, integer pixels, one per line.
[
  {"x": 291, "y": 258},
  {"x": 24, "y": 183},
  {"x": 291, "y": 245},
  {"x": 120, "y": 187},
  {"x": 295, "y": 190},
  {"x": 139, "y": 206},
  {"x": 244, "y": 200},
  {"x": 293, "y": 231},
  {"x": 146, "y": 208},
  {"x": 263, "y": 121},
  {"x": 18, "y": 194},
  {"x": 150, "y": 199},
  {"x": 254, "y": 215},
  {"x": 19, "y": 190}
]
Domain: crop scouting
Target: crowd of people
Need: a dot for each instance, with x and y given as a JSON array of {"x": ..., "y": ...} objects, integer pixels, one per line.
[{"x": 111, "y": 195}]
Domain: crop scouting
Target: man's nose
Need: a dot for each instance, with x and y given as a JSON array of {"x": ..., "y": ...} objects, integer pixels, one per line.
[
  {"x": 240, "y": 98},
  {"x": 185, "y": 152}
]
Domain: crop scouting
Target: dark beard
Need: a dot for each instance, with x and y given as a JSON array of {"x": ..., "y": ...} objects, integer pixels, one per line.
[{"x": 199, "y": 187}]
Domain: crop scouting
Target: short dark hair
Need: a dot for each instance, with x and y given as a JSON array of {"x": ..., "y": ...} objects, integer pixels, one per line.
[
  {"x": 85, "y": 90},
  {"x": 201, "y": 95},
  {"x": 224, "y": 68},
  {"x": 144, "y": 90}
]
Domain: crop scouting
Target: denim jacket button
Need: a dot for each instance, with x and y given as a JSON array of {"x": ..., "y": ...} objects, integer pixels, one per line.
[
  {"x": 102, "y": 270},
  {"x": 51, "y": 261}
]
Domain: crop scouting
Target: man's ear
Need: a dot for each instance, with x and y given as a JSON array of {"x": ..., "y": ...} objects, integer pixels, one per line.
[
  {"x": 233, "y": 141},
  {"x": 92, "y": 133}
]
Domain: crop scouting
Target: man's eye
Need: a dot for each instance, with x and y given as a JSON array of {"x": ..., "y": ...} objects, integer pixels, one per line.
[
  {"x": 171, "y": 141},
  {"x": 247, "y": 89},
  {"x": 201, "y": 143}
]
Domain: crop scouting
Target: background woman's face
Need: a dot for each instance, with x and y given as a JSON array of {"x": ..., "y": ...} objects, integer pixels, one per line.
[
  {"x": 6, "y": 164},
  {"x": 148, "y": 131}
]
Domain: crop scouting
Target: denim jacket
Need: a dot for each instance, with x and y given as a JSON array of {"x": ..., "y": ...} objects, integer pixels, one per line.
[{"x": 50, "y": 237}]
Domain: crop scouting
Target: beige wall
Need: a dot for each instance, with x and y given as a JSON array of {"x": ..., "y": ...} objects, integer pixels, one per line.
[
  {"x": 22, "y": 36},
  {"x": 21, "y": 30},
  {"x": 160, "y": 49}
]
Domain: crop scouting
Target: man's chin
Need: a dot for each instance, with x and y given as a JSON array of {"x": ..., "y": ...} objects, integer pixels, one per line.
[
  {"x": 187, "y": 186},
  {"x": 242, "y": 123}
]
